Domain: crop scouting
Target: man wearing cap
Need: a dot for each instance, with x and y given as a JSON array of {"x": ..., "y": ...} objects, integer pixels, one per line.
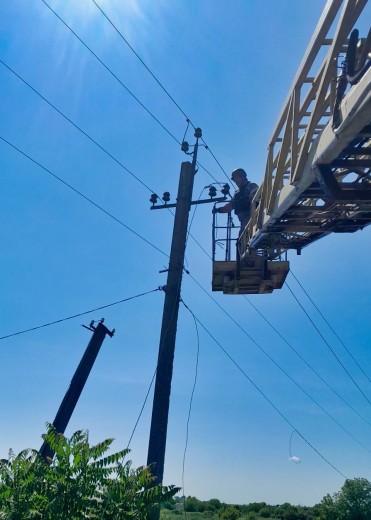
[{"x": 241, "y": 200}]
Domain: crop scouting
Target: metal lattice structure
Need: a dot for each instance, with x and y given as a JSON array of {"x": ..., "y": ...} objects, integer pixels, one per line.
[{"x": 317, "y": 179}]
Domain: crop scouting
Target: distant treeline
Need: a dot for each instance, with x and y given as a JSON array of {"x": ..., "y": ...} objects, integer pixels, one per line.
[
  {"x": 250, "y": 511},
  {"x": 352, "y": 502}
]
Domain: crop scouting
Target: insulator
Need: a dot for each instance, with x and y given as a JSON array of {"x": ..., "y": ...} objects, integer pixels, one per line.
[
  {"x": 166, "y": 197},
  {"x": 198, "y": 133},
  {"x": 153, "y": 198},
  {"x": 212, "y": 191},
  {"x": 225, "y": 189},
  {"x": 185, "y": 146}
]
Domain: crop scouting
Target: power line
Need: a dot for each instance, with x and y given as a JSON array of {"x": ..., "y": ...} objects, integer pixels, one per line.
[
  {"x": 284, "y": 371},
  {"x": 76, "y": 192},
  {"x": 155, "y": 372},
  {"x": 76, "y": 126},
  {"x": 109, "y": 154},
  {"x": 79, "y": 314},
  {"x": 112, "y": 73},
  {"x": 283, "y": 416},
  {"x": 306, "y": 362},
  {"x": 192, "y": 393},
  {"x": 331, "y": 328},
  {"x": 140, "y": 59},
  {"x": 141, "y": 409},
  {"x": 85, "y": 197},
  {"x": 329, "y": 346},
  {"x": 157, "y": 81},
  {"x": 292, "y": 348},
  {"x": 89, "y": 199},
  {"x": 83, "y": 132}
]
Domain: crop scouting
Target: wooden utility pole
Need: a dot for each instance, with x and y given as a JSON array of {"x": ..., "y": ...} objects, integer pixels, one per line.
[
  {"x": 77, "y": 383},
  {"x": 161, "y": 399}
]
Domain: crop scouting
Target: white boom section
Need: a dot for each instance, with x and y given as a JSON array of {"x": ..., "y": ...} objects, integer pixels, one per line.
[{"x": 317, "y": 177}]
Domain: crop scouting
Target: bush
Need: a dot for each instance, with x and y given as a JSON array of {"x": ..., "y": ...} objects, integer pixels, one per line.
[{"x": 80, "y": 481}]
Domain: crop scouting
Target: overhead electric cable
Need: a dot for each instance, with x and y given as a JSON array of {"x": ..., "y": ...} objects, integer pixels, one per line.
[
  {"x": 283, "y": 416},
  {"x": 192, "y": 393},
  {"x": 284, "y": 372},
  {"x": 79, "y": 314},
  {"x": 76, "y": 126},
  {"x": 155, "y": 372},
  {"x": 114, "y": 26},
  {"x": 193, "y": 215},
  {"x": 85, "y": 197},
  {"x": 83, "y": 132},
  {"x": 329, "y": 346},
  {"x": 141, "y": 409},
  {"x": 140, "y": 59},
  {"x": 307, "y": 364},
  {"x": 92, "y": 140},
  {"x": 90, "y": 201},
  {"x": 331, "y": 328},
  {"x": 292, "y": 348},
  {"x": 112, "y": 73}
]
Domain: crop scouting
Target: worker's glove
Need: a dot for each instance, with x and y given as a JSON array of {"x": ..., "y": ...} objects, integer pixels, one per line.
[{"x": 216, "y": 210}]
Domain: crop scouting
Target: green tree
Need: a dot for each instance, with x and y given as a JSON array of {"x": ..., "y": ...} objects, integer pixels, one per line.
[
  {"x": 213, "y": 504},
  {"x": 287, "y": 511},
  {"x": 229, "y": 513},
  {"x": 352, "y": 502},
  {"x": 81, "y": 481},
  {"x": 193, "y": 505},
  {"x": 251, "y": 515}
]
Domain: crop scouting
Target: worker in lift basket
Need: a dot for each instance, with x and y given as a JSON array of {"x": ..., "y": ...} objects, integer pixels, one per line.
[{"x": 241, "y": 200}]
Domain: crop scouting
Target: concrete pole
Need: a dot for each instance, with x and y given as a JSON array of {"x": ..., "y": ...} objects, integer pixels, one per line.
[
  {"x": 161, "y": 400},
  {"x": 77, "y": 384}
]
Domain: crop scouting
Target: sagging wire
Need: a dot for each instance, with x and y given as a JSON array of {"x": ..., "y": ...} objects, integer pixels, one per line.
[
  {"x": 187, "y": 120},
  {"x": 158, "y": 357},
  {"x": 141, "y": 410},
  {"x": 244, "y": 373},
  {"x": 283, "y": 370},
  {"x": 190, "y": 403},
  {"x": 294, "y": 458},
  {"x": 78, "y": 315}
]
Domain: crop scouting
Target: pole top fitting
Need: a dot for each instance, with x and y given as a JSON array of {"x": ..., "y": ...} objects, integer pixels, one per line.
[{"x": 198, "y": 133}]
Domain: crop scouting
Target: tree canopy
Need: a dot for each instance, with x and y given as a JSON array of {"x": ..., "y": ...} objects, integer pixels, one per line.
[
  {"x": 80, "y": 481},
  {"x": 352, "y": 502}
]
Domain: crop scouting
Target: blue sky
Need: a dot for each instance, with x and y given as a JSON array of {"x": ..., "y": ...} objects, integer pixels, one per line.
[{"x": 229, "y": 66}]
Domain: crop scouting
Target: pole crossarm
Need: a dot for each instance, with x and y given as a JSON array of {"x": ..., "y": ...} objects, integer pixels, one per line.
[
  {"x": 318, "y": 124},
  {"x": 192, "y": 203}
]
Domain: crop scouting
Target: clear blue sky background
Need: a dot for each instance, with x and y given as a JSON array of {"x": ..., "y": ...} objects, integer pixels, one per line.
[{"x": 229, "y": 65}]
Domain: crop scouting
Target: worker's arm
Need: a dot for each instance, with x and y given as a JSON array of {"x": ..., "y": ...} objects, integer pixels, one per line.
[{"x": 225, "y": 209}]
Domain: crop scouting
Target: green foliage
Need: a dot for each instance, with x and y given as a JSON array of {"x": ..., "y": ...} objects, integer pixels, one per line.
[
  {"x": 352, "y": 502},
  {"x": 193, "y": 505},
  {"x": 229, "y": 513},
  {"x": 80, "y": 482}
]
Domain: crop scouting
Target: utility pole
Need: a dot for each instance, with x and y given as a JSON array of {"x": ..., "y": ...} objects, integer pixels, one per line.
[
  {"x": 78, "y": 382},
  {"x": 161, "y": 399}
]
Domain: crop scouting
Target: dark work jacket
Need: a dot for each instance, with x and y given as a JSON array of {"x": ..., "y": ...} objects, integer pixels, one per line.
[{"x": 242, "y": 200}]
